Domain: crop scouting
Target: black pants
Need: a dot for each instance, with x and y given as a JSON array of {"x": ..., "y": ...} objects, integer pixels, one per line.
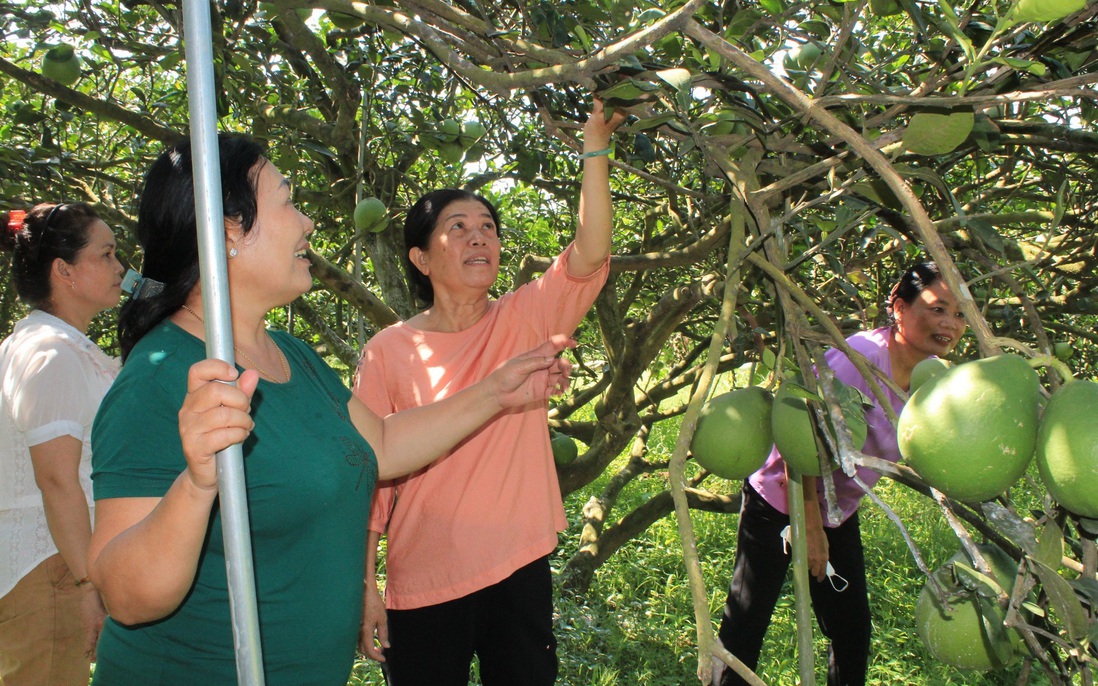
[
  {"x": 757, "y": 580},
  {"x": 508, "y": 626}
]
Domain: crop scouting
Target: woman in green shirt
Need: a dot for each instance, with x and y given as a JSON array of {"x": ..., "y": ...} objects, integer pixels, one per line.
[{"x": 312, "y": 451}]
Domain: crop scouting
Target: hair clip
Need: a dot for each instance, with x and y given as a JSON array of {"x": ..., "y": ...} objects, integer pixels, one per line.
[
  {"x": 139, "y": 286},
  {"x": 16, "y": 219},
  {"x": 49, "y": 217}
]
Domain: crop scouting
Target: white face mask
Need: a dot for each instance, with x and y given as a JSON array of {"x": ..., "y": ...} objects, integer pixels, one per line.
[{"x": 837, "y": 582}]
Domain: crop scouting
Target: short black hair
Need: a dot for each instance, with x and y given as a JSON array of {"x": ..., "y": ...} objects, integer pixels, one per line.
[
  {"x": 420, "y": 224},
  {"x": 914, "y": 281}
]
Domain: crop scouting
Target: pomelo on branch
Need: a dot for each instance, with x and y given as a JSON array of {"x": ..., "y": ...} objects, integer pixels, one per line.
[
  {"x": 926, "y": 370},
  {"x": 970, "y": 431},
  {"x": 565, "y": 450},
  {"x": 794, "y": 425},
  {"x": 451, "y": 152},
  {"x": 802, "y": 57},
  {"x": 1063, "y": 350},
  {"x": 449, "y": 130},
  {"x": 1045, "y": 10},
  {"x": 471, "y": 132},
  {"x": 62, "y": 64},
  {"x": 369, "y": 215},
  {"x": 1067, "y": 448},
  {"x": 733, "y": 437},
  {"x": 972, "y": 636}
]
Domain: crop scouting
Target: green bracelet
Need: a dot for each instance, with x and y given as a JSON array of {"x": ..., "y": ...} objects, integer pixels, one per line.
[{"x": 595, "y": 153}]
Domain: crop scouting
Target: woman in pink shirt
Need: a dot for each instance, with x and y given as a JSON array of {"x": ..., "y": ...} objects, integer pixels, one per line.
[
  {"x": 926, "y": 321},
  {"x": 468, "y": 537}
]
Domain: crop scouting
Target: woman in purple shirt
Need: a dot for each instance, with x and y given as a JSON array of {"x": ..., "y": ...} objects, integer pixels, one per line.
[{"x": 926, "y": 321}]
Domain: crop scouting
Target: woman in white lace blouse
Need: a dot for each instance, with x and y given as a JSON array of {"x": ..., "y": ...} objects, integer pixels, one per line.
[{"x": 52, "y": 378}]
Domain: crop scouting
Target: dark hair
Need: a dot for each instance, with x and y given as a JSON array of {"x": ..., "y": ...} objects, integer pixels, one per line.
[
  {"x": 915, "y": 280},
  {"x": 420, "y": 224},
  {"x": 167, "y": 227},
  {"x": 48, "y": 231}
]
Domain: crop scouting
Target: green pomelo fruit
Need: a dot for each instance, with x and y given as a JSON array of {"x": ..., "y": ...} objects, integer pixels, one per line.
[
  {"x": 471, "y": 132},
  {"x": 1067, "y": 448},
  {"x": 451, "y": 152},
  {"x": 449, "y": 130},
  {"x": 61, "y": 64},
  {"x": 564, "y": 449},
  {"x": 972, "y": 636},
  {"x": 369, "y": 214},
  {"x": 802, "y": 57},
  {"x": 925, "y": 371},
  {"x": 1046, "y": 10},
  {"x": 733, "y": 435},
  {"x": 793, "y": 427},
  {"x": 1063, "y": 351},
  {"x": 345, "y": 21},
  {"x": 970, "y": 431}
]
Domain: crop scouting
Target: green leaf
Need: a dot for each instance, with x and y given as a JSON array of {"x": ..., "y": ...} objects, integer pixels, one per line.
[
  {"x": 624, "y": 90},
  {"x": 988, "y": 235},
  {"x": 1058, "y": 210},
  {"x": 993, "y": 628},
  {"x": 953, "y": 28},
  {"x": 653, "y": 122},
  {"x": 1035, "y": 68},
  {"x": 983, "y": 584},
  {"x": 1087, "y": 588},
  {"x": 877, "y": 191},
  {"x": 1062, "y": 597},
  {"x": 769, "y": 358},
  {"x": 676, "y": 78},
  {"x": 774, "y": 7},
  {"x": 170, "y": 61},
  {"x": 1014, "y": 527},
  {"x": 1050, "y": 546},
  {"x": 318, "y": 149},
  {"x": 799, "y": 391},
  {"x": 584, "y": 39},
  {"x": 1089, "y": 525},
  {"x": 929, "y": 133}
]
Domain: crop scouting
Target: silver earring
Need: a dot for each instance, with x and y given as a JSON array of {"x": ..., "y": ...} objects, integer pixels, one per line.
[{"x": 232, "y": 252}]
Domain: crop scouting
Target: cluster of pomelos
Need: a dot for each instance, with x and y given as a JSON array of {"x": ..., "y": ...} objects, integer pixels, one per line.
[{"x": 970, "y": 431}]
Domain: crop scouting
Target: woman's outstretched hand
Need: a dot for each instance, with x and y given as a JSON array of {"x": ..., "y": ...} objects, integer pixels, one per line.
[
  {"x": 598, "y": 129},
  {"x": 533, "y": 376},
  {"x": 214, "y": 416}
]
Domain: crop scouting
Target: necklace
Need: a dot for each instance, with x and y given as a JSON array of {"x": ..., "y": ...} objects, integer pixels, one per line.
[{"x": 281, "y": 358}]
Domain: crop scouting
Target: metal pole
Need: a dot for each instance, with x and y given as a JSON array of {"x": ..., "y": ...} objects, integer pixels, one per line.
[{"x": 198, "y": 39}]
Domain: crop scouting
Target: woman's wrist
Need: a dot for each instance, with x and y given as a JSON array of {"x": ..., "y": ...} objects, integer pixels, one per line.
[
  {"x": 592, "y": 144},
  {"x": 196, "y": 491}
]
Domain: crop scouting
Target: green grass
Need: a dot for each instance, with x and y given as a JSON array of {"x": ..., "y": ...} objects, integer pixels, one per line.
[{"x": 636, "y": 625}]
